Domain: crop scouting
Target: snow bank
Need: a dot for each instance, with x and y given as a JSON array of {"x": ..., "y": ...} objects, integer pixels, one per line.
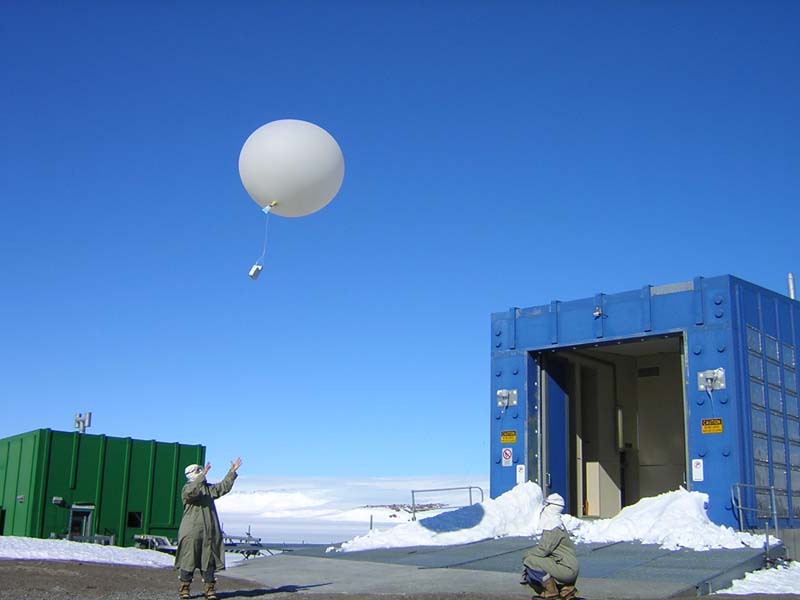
[
  {"x": 514, "y": 513},
  {"x": 29, "y": 548},
  {"x": 780, "y": 580},
  {"x": 673, "y": 520}
]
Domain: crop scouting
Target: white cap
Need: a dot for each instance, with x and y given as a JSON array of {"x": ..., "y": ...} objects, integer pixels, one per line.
[
  {"x": 188, "y": 471},
  {"x": 555, "y": 499}
]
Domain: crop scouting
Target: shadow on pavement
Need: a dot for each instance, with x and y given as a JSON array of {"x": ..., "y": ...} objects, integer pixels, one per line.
[
  {"x": 267, "y": 592},
  {"x": 456, "y": 520}
]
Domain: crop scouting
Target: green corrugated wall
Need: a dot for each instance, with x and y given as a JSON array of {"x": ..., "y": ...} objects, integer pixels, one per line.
[
  {"x": 18, "y": 469},
  {"x": 118, "y": 476}
]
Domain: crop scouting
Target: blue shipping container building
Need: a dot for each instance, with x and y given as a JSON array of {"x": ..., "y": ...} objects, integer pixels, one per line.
[{"x": 618, "y": 397}]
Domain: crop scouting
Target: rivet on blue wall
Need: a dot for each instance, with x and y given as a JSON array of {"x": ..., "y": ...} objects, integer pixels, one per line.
[
  {"x": 515, "y": 371},
  {"x": 499, "y": 332},
  {"x": 726, "y": 451},
  {"x": 697, "y": 349},
  {"x": 724, "y": 400},
  {"x": 498, "y": 373},
  {"x": 718, "y": 299},
  {"x": 721, "y": 347},
  {"x": 498, "y": 344},
  {"x": 719, "y": 313},
  {"x": 701, "y": 400},
  {"x": 702, "y": 452}
]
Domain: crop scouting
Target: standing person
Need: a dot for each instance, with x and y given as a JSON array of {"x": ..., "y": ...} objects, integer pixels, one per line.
[
  {"x": 551, "y": 568},
  {"x": 200, "y": 544}
]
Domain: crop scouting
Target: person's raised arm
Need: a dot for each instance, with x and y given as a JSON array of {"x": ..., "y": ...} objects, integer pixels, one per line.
[{"x": 224, "y": 486}]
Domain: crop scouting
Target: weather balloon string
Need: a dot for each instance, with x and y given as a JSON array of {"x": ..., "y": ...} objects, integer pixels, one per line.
[{"x": 255, "y": 270}]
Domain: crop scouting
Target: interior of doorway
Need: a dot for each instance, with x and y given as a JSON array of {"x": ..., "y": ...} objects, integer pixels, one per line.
[
  {"x": 80, "y": 521},
  {"x": 626, "y": 424}
]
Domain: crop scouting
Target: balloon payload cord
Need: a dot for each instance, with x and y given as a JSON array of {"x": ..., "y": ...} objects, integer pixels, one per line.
[{"x": 255, "y": 270}]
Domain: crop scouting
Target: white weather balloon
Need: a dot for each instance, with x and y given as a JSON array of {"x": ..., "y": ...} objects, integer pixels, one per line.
[{"x": 291, "y": 168}]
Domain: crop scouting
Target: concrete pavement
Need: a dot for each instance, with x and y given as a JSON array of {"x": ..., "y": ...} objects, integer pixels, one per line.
[{"x": 620, "y": 571}]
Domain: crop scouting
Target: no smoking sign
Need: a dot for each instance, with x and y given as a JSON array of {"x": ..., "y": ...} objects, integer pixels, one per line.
[{"x": 508, "y": 456}]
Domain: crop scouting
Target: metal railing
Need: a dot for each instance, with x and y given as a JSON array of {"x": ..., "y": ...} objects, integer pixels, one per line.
[
  {"x": 469, "y": 488},
  {"x": 103, "y": 540},
  {"x": 738, "y": 505}
]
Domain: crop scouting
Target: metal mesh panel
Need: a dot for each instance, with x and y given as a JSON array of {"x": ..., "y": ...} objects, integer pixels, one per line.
[
  {"x": 780, "y": 474},
  {"x": 773, "y": 373},
  {"x": 782, "y": 504},
  {"x": 759, "y": 418},
  {"x": 762, "y": 474},
  {"x": 776, "y": 425},
  {"x": 771, "y": 347},
  {"x": 757, "y": 393},
  {"x": 775, "y": 399},
  {"x": 760, "y": 450},
  {"x": 788, "y": 355},
  {"x": 792, "y": 406},
  {"x": 790, "y": 380},
  {"x": 755, "y": 367},
  {"x": 794, "y": 457},
  {"x": 795, "y": 479},
  {"x": 753, "y": 339},
  {"x": 778, "y": 454},
  {"x": 762, "y": 505},
  {"x": 793, "y": 430}
]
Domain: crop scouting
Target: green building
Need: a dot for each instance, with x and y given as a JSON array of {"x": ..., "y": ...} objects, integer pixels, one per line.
[{"x": 78, "y": 485}]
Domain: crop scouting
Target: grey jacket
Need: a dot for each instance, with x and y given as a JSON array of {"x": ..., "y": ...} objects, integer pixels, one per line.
[{"x": 556, "y": 545}]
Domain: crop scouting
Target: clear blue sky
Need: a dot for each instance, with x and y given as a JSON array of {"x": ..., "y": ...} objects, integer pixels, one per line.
[{"x": 497, "y": 154}]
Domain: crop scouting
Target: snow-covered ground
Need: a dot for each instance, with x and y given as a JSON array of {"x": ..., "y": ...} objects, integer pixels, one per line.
[
  {"x": 673, "y": 520},
  {"x": 780, "y": 580},
  {"x": 35, "y": 549}
]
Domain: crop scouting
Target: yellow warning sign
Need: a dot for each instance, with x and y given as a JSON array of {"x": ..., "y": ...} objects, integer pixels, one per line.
[
  {"x": 508, "y": 437},
  {"x": 711, "y": 425}
]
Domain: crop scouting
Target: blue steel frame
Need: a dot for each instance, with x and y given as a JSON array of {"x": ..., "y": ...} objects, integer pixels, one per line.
[{"x": 726, "y": 323}]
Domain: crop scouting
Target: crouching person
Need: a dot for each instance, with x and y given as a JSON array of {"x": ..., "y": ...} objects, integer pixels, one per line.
[
  {"x": 200, "y": 543},
  {"x": 551, "y": 568}
]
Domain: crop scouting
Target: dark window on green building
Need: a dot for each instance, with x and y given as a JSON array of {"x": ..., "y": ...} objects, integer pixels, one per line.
[{"x": 135, "y": 520}]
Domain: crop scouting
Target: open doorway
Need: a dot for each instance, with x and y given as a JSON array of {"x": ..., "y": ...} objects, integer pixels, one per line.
[
  {"x": 80, "y": 521},
  {"x": 614, "y": 425}
]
